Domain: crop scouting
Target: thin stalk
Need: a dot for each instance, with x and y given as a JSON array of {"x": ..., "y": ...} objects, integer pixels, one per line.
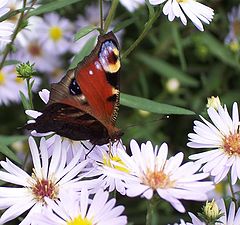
[
  {"x": 150, "y": 211},
  {"x": 110, "y": 15},
  {"x": 30, "y": 93},
  {"x": 145, "y": 31},
  {"x": 232, "y": 191},
  {"x": 17, "y": 29},
  {"x": 101, "y": 15}
]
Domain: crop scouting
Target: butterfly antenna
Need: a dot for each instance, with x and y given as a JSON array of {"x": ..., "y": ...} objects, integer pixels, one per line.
[{"x": 149, "y": 121}]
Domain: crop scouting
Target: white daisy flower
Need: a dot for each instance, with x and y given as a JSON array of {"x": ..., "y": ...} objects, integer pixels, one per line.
[
  {"x": 55, "y": 33},
  {"x": 151, "y": 172},
  {"x": 32, "y": 50},
  {"x": 194, "y": 10},
  {"x": 233, "y": 36},
  {"x": 109, "y": 167},
  {"x": 223, "y": 137},
  {"x": 97, "y": 211},
  {"x": 6, "y": 28},
  {"x": 229, "y": 217},
  {"x": 132, "y": 5},
  {"x": 51, "y": 178},
  {"x": 73, "y": 146}
]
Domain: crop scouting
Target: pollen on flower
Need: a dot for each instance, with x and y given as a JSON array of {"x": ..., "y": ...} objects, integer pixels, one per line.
[
  {"x": 44, "y": 188},
  {"x": 34, "y": 49},
  {"x": 157, "y": 179},
  {"x": 79, "y": 221},
  {"x": 55, "y": 33},
  {"x": 231, "y": 144},
  {"x": 119, "y": 165},
  {"x": 2, "y": 78}
]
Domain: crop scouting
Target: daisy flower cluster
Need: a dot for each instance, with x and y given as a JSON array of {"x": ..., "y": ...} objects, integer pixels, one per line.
[{"x": 70, "y": 181}]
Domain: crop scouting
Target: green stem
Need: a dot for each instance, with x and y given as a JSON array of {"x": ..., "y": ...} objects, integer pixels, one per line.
[
  {"x": 30, "y": 93},
  {"x": 101, "y": 15},
  {"x": 231, "y": 190},
  {"x": 17, "y": 29},
  {"x": 110, "y": 15},
  {"x": 145, "y": 31},
  {"x": 150, "y": 211}
]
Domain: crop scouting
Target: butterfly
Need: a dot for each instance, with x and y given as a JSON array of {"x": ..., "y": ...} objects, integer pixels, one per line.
[{"x": 84, "y": 104}]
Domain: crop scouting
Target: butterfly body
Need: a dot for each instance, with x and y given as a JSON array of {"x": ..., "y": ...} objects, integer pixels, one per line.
[{"x": 84, "y": 104}]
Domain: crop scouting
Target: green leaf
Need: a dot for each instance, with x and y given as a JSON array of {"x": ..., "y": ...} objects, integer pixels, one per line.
[
  {"x": 8, "y": 140},
  {"x": 219, "y": 50},
  {"x": 25, "y": 101},
  {"x": 8, "y": 153},
  {"x": 165, "y": 69},
  {"x": 84, "y": 31},
  {"x": 86, "y": 50},
  {"x": 152, "y": 106},
  {"x": 52, "y": 6}
]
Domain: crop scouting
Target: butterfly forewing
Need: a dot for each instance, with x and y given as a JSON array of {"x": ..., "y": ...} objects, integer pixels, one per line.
[{"x": 84, "y": 104}]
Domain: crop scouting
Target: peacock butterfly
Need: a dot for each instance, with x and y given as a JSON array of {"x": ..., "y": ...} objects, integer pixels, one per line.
[{"x": 84, "y": 104}]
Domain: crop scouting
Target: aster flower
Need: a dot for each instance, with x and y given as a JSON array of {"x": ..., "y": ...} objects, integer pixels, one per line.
[
  {"x": 109, "y": 167},
  {"x": 56, "y": 33},
  {"x": 132, "y": 5},
  {"x": 6, "y": 28},
  {"x": 32, "y": 50},
  {"x": 97, "y": 211},
  {"x": 194, "y": 10},
  {"x": 223, "y": 137},
  {"x": 51, "y": 178},
  {"x": 233, "y": 36},
  {"x": 151, "y": 171}
]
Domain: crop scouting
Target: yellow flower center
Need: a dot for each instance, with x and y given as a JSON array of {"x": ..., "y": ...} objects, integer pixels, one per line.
[
  {"x": 231, "y": 144},
  {"x": 236, "y": 27},
  {"x": 234, "y": 46},
  {"x": 219, "y": 188},
  {"x": 55, "y": 33},
  {"x": 157, "y": 179},
  {"x": 2, "y": 78},
  {"x": 44, "y": 188},
  {"x": 79, "y": 221},
  {"x": 109, "y": 161}
]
